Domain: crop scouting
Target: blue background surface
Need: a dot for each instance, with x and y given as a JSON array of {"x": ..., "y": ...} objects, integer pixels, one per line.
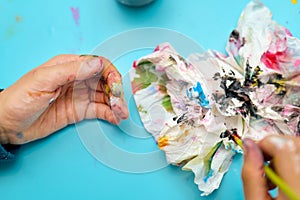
[{"x": 59, "y": 166}]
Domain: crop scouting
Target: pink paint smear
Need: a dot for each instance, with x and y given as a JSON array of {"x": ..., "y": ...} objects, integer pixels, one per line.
[
  {"x": 297, "y": 63},
  {"x": 76, "y": 15}
]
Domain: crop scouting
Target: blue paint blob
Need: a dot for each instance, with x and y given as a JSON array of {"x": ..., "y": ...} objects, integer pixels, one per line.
[
  {"x": 210, "y": 173},
  {"x": 197, "y": 92}
]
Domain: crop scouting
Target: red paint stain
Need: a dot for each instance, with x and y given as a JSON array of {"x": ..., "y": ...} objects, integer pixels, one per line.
[
  {"x": 134, "y": 64},
  {"x": 272, "y": 60},
  {"x": 75, "y": 14}
]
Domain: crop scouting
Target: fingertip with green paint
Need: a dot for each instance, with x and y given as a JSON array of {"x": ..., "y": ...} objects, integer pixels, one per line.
[{"x": 117, "y": 89}]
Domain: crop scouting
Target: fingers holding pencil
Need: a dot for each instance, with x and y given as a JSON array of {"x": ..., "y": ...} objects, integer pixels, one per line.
[{"x": 284, "y": 151}]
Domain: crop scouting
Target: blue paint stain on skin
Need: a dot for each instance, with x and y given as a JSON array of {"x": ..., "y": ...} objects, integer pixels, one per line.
[
  {"x": 19, "y": 135},
  {"x": 210, "y": 173},
  {"x": 203, "y": 101}
]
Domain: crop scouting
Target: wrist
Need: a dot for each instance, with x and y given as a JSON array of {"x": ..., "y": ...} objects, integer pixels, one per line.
[{"x": 3, "y": 132}]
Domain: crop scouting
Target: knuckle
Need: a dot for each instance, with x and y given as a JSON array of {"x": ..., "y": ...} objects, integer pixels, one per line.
[
  {"x": 58, "y": 56},
  {"x": 290, "y": 146},
  {"x": 37, "y": 74},
  {"x": 106, "y": 113}
]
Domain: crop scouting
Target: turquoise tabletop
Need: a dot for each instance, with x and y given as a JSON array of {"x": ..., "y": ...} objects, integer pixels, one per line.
[{"x": 94, "y": 159}]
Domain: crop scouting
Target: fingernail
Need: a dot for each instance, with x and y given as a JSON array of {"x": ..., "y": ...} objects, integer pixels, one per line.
[
  {"x": 114, "y": 77},
  {"x": 95, "y": 64},
  {"x": 83, "y": 55},
  {"x": 119, "y": 107}
]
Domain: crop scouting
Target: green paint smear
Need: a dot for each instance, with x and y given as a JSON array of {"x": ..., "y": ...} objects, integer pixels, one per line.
[
  {"x": 141, "y": 109},
  {"x": 209, "y": 157},
  {"x": 146, "y": 77},
  {"x": 146, "y": 70},
  {"x": 243, "y": 124},
  {"x": 117, "y": 89},
  {"x": 166, "y": 103},
  {"x": 163, "y": 82}
]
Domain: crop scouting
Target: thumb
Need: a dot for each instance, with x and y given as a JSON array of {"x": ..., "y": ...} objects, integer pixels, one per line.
[
  {"x": 254, "y": 183},
  {"x": 52, "y": 77}
]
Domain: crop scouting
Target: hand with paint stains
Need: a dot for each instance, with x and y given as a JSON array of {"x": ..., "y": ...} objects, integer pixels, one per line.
[
  {"x": 64, "y": 90},
  {"x": 284, "y": 154}
]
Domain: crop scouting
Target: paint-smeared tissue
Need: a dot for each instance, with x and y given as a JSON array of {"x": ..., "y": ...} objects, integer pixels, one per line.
[{"x": 187, "y": 103}]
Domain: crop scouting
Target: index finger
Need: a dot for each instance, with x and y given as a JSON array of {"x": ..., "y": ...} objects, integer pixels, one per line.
[
  {"x": 113, "y": 78},
  {"x": 65, "y": 58},
  {"x": 277, "y": 146},
  {"x": 114, "y": 89}
]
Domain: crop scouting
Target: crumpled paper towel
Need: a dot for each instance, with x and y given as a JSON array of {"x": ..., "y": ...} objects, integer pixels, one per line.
[{"x": 187, "y": 103}]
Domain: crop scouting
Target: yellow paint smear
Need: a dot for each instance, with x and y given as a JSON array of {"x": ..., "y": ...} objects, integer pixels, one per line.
[
  {"x": 294, "y": 1},
  {"x": 162, "y": 142}
]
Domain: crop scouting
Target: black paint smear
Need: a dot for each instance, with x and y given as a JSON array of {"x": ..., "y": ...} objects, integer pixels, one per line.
[
  {"x": 228, "y": 134},
  {"x": 181, "y": 118},
  {"x": 240, "y": 91},
  {"x": 172, "y": 60},
  {"x": 235, "y": 85},
  {"x": 234, "y": 131},
  {"x": 235, "y": 35},
  {"x": 236, "y": 90},
  {"x": 248, "y": 71},
  {"x": 293, "y": 115},
  {"x": 276, "y": 80},
  {"x": 251, "y": 78},
  {"x": 225, "y": 134},
  {"x": 277, "y": 108},
  {"x": 216, "y": 76}
]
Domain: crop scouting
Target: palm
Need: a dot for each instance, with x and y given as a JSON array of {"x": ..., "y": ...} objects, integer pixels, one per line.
[
  {"x": 65, "y": 110},
  {"x": 81, "y": 97}
]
